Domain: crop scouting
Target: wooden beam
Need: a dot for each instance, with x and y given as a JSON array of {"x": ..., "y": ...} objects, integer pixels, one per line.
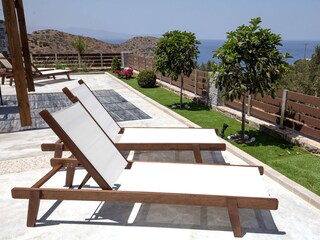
[
  {"x": 17, "y": 62},
  {"x": 24, "y": 44}
]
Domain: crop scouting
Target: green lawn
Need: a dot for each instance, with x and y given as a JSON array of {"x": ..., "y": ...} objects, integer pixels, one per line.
[{"x": 292, "y": 161}]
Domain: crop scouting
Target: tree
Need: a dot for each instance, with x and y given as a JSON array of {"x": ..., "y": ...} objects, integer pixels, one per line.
[
  {"x": 80, "y": 44},
  {"x": 175, "y": 55},
  {"x": 314, "y": 76},
  {"x": 305, "y": 76},
  {"x": 250, "y": 63},
  {"x": 115, "y": 64}
]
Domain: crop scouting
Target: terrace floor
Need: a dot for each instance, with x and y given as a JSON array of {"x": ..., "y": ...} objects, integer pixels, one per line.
[{"x": 22, "y": 163}]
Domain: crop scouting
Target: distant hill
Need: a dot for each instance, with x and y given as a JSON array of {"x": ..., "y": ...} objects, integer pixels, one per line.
[{"x": 54, "y": 41}]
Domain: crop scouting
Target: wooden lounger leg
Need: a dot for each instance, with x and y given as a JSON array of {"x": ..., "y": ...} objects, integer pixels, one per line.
[
  {"x": 70, "y": 176},
  {"x": 68, "y": 76},
  {"x": 33, "y": 208},
  {"x": 197, "y": 153},
  {"x": 234, "y": 217}
]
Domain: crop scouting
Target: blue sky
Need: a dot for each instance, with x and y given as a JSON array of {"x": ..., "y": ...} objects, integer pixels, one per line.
[{"x": 209, "y": 19}]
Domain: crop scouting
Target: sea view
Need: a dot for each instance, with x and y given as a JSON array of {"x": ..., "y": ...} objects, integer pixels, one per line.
[{"x": 298, "y": 49}]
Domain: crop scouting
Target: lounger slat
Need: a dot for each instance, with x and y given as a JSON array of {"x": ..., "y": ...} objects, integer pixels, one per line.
[{"x": 144, "y": 197}]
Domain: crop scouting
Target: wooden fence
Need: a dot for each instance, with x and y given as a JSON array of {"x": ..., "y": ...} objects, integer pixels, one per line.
[
  {"x": 288, "y": 109},
  {"x": 91, "y": 60},
  {"x": 197, "y": 82}
]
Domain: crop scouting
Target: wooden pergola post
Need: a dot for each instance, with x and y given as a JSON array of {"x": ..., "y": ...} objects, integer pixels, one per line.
[
  {"x": 24, "y": 44},
  {"x": 19, "y": 75}
]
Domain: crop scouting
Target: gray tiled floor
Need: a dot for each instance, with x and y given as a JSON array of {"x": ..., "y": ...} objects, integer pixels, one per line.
[{"x": 119, "y": 108}]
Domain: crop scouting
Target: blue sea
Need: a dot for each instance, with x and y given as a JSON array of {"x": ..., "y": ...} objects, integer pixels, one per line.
[{"x": 297, "y": 49}]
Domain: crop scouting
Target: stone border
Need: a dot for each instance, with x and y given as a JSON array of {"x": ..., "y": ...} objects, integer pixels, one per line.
[
  {"x": 287, "y": 183},
  {"x": 286, "y": 134}
]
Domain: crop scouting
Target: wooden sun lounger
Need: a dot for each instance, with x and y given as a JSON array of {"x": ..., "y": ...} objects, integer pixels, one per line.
[
  {"x": 143, "y": 139},
  {"x": 36, "y": 72},
  {"x": 232, "y": 187}
]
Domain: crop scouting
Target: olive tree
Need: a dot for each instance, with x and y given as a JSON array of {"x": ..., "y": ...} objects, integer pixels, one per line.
[
  {"x": 250, "y": 63},
  {"x": 175, "y": 55}
]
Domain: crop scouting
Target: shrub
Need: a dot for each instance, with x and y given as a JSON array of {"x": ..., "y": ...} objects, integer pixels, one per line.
[
  {"x": 115, "y": 64},
  {"x": 58, "y": 65},
  {"x": 146, "y": 79}
]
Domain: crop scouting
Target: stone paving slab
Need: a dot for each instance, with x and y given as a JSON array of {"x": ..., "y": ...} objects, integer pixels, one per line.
[{"x": 119, "y": 108}]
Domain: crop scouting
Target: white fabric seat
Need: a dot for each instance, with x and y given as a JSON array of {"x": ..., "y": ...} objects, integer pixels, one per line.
[
  {"x": 193, "y": 179},
  {"x": 168, "y": 135}
]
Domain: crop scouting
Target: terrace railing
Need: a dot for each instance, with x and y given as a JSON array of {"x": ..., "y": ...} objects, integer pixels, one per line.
[
  {"x": 288, "y": 109},
  {"x": 90, "y": 60},
  {"x": 197, "y": 82}
]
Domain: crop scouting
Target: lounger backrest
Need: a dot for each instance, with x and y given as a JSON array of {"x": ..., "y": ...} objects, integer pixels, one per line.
[
  {"x": 92, "y": 142},
  {"x": 5, "y": 62},
  {"x": 97, "y": 110}
]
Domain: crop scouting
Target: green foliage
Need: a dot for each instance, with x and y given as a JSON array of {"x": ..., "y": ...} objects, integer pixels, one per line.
[
  {"x": 147, "y": 79},
  {"x": 250, "y": 63},
  {"x": 58, "y": 65},
  {"x": 175, "y": 55},
  {"x": 304, "y": 76},
  {"x": 209, "y": 66},
  {"x": 115, "y": 64},
  {"x": 80, "y": 44}
]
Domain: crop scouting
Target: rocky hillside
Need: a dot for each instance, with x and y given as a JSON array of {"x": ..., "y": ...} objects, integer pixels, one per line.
[
  {"x": 53, "y": 41},
  {"x": 142, "y": 46}
]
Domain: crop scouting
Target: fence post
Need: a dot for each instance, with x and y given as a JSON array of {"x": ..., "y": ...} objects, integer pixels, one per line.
[
  {"x": 249, "y": 105},
  {"x": 195, "y": 81},
  {"x": 56, "y": 57},
  {"x": 79, "y": 61},
  {"x": 101, "y": 60},
  {"x": 283, "y": 108},
  {"x": 31, "y": 57}
]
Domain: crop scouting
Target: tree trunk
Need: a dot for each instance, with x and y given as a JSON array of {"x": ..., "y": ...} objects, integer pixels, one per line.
[
  {"x": 243, "y": 119},
  {"x": 181, "y": 87}
]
